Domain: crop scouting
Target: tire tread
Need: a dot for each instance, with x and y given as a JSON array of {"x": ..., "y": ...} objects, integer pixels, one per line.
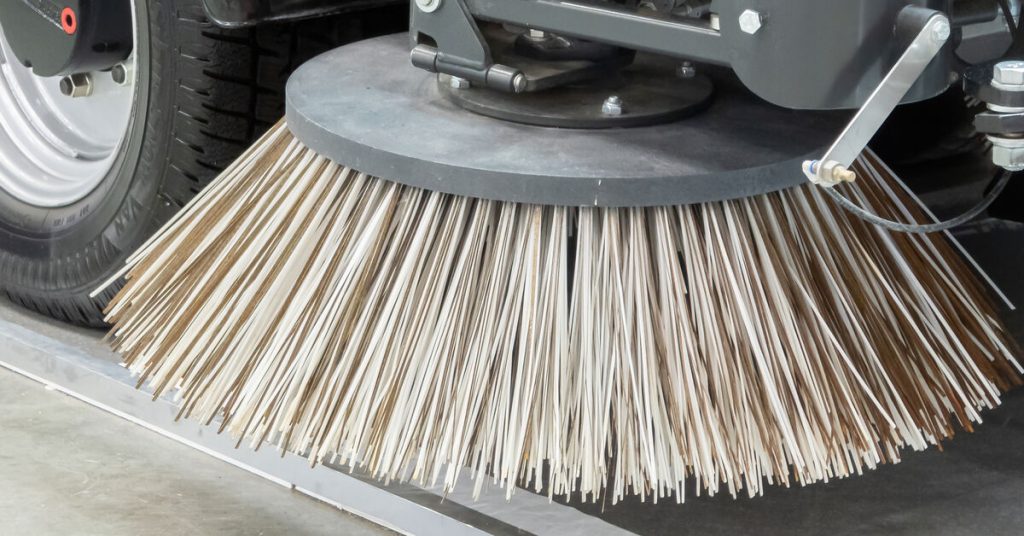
[{"x": 229, "y": 89}]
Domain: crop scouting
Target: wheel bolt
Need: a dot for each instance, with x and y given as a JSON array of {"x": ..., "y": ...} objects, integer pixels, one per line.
[
  {"x": 76, "y": 85},
  {"x": 121, "y": 74}
]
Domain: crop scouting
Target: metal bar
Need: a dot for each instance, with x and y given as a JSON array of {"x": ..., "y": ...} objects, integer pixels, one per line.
[
  {"x": 922, "y": 50},
  {"x": 608, "y": 25}
]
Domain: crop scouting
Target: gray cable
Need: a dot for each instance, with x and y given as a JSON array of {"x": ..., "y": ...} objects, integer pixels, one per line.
[{"x": 923, "y": 229}]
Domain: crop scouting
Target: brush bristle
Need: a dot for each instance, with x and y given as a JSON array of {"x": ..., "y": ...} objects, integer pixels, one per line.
[{"x": 584, "y": 352}]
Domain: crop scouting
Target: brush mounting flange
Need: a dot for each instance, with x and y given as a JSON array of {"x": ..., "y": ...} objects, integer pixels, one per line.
[{"x": 364, "y": 106}]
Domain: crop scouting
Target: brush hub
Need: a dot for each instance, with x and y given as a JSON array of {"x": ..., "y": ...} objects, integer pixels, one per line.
[
  {"x": 645, "y": 97},
  {"x": 364, "y": 106}
]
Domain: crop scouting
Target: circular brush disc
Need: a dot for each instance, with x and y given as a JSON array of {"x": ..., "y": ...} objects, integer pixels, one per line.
[{"x": 366, "y": 106}]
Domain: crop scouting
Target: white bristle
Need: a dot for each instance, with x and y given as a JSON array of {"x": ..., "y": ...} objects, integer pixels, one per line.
[{"x": 582, "y": 352}]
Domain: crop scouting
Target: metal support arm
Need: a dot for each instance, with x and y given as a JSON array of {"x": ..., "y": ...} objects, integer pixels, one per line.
[{"x": 933, "y": 31}]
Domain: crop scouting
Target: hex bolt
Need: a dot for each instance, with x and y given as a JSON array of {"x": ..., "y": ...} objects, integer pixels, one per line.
[
  {"x": 1009, "y": 75},
  {"x": 612, "y": 106},
  {"x": 76, "y": 85},
  {"x": 751, "y": 21},
  {"x": 1008, "y": 153},
  {"x": 459, "y": 83},
  {"x": 687, "y": 70},
  {"x": 121, "y": 74},
  {"x": 428, "y": 6}
]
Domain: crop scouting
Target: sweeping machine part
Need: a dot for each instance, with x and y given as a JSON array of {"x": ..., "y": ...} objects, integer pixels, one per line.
[
  {"x": 648, "y": 89},
  {"x": 391, "y": 121},
  {"x": 653, "y": 99},
  {"x": 419, "y": 334}
]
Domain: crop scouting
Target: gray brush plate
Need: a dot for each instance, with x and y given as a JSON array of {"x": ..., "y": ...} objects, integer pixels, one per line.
[{"x": 365, "y": 106}]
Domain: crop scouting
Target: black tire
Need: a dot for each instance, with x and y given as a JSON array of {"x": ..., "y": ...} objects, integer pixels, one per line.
[{"x": 203, "y": 94}]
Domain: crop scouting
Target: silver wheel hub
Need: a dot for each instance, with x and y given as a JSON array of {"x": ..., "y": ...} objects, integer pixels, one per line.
[{"x": 55, "y": 149}]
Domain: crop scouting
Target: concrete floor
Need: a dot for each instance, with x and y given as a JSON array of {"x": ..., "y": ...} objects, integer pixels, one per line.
[{"x": 69, "y": 468}]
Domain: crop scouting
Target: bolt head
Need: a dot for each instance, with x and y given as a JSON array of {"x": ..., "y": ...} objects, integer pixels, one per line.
[
  {"x": 459, "y": 83},
  {"x": 612, "y": 106},
  {"x": 76, "y": 85},
  {"x": 687, "y": 70},
  {"x": 428, "y": 6},
  {"x": 520, "y": 83},
  {"x": 751, "y": 21},
  {"x": 120, "y": 74},
  {"x": 1009, "y": 73}
]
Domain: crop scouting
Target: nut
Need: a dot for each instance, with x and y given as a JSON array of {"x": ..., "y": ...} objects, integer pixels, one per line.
[
  {"x": 1008, "y": 153},
  {"x": 428, "y": 6},
  {"x": 76, "y": 85},
  {"x": 459, "y": 83},
  {"x": 121, "y": 74},
  {"x": 1009, "y": 74},
  {"x": 751, "y": 21}
]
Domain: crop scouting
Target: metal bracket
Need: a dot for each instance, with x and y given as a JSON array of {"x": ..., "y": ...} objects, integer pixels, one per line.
[
  {"x": 933, "y": 31},
  {"x": 461, "y": 49}
]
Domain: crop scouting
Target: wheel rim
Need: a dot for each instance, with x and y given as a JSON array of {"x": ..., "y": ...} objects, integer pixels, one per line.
[{"x": 54, "y": 149}]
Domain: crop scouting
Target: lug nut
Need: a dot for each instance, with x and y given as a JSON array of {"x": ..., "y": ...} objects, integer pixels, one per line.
[
  {"x": 76, "y": 85},
  {"x": 612, "y": 106},
  {"x": 121, "y": 74}
]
